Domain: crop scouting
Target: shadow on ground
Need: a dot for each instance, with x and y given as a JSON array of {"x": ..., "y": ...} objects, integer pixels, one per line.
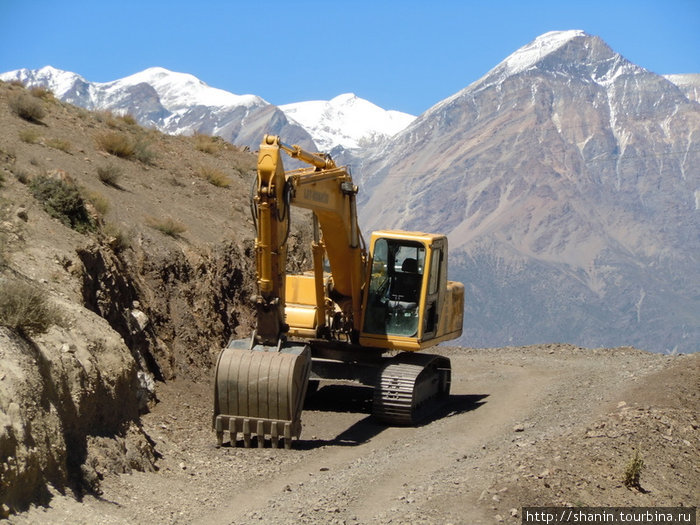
[{"x": 358, "y": 399}]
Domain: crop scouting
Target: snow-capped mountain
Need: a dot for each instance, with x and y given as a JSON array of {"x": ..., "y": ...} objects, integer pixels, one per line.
[
  {"x": 172, "y": 102},
  {"x": 346, "y": 120},
  {"x": 567, "y": 180},
  {"x": 180, "y": 103}
]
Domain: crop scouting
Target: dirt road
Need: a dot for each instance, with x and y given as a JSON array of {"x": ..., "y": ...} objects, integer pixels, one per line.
[{"x": 514, "y": 433}]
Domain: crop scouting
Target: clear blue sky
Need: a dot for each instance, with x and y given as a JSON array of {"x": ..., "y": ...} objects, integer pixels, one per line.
[{"x": 405, "y": 55}]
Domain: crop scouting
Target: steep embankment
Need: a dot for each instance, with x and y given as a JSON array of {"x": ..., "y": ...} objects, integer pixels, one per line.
[{"x": 139, "y": 243}]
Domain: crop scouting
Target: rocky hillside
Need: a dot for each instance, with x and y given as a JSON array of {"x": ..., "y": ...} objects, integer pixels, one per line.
[
  {"x": 567, "y": 181},
  {"x": 127, "y": 253}
]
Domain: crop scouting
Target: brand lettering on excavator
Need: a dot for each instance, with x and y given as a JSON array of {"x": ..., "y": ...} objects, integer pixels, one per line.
[{"x": 316, "y": 196}]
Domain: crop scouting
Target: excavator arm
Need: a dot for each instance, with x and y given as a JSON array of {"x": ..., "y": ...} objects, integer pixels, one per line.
[{"x": 328, "y": 191}]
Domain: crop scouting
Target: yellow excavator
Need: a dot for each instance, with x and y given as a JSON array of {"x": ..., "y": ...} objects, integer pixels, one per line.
[{"x": 359, "y": 316}]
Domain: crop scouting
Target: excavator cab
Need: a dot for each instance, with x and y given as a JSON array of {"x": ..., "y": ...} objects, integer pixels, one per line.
[{"x": 409, "y": 302}]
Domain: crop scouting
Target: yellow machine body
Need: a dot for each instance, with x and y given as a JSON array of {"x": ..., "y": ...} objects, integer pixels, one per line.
[{"x": 352, "y": 307}]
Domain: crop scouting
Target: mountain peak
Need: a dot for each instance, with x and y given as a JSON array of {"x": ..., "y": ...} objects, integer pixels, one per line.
[
  {"x": 530, "y": 54},
  {"x": 346, "y": 120},
  {"x": 178, "y": 90}
]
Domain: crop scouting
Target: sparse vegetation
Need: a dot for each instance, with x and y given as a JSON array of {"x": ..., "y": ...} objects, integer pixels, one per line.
[
  {"x": 124, "y": 146},
  {"x": 128, "y": 119},
  {"x": 633, "y": 471},
  {"x": 116, "y": 238},
  {"x": 168, "y": 226},
  {"x": 21, "y": 175},
  {"x": 99, "y": 202},
  {"x": 42, "y": 92},
  {"x": 117, "y": 144},
  {"x": 3, "y": 250},
  {"x": 214, "y": 176},
  {"x": 30, "y": 136},
  {"x": 27, "y": 107},
  {"x": 207, "y": 144},
  {"x": 109, "y": 174},
  {"x": 62, "y": 201},
  {"x": 24, "y": 308},
  {"x": 60, "y": 144},
  {"x": 142, "y": 151}
]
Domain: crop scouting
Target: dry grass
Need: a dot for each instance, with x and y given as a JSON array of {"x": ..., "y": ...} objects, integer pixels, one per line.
[
  {"x": 109, "y": 175},
  {"x": 98, "y": 201},
  {"x": 60, "y": 144},
  {"x": 26, "y": 107},
  {"x": 633, "y": 471},
  {"x": 214, "y": 176},
  {"x": 207, "y": 144},
  {"x": 167, "y": 226},
  {"x": 24, "y": 308},
  {"x": 29, "y": 135},
  {"x": 41, "y": 92},
  {"x": 116, "y": 143}
]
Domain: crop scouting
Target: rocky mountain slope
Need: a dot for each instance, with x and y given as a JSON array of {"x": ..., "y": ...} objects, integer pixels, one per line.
[{"x": 567, "y": 179}]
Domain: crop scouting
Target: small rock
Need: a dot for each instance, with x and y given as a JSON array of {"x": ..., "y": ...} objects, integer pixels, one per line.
[
  {"x": 324, "y": 469},
  {"x": 182, "y": 465},
  {"x": 514, "y": 512},
  {"x": 519, "y": 428}
]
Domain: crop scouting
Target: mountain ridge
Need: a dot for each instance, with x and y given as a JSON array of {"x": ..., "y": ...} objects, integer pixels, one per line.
[{"x": 180, "y": 103}]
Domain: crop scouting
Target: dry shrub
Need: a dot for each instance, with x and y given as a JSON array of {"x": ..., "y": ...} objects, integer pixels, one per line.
[
  {"x": 207, "y": 144},
  {"x": 109, "y": 174},
  {"x": 24, "y": 308},
  {"x": 116, "y": 238},
  {"x": 168, "y": 226},
  {"x": 27, "y": 107},
  {"x": 129, "y": 120},
  {"x": 115, "y": 143},
  {"x": 142, "y": 150},
  {"x": 30, "y": 136},
  {"x": 42, "y": 92},
  {"x": 214, "y": 176},
  {"x": 60, "y": 144}
]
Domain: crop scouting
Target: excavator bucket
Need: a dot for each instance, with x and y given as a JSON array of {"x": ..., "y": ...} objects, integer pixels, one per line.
[{"x": 260, "y": 391}]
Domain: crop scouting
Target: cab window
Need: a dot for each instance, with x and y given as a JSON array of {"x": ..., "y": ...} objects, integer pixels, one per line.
[{"x": 394, "y": 289}]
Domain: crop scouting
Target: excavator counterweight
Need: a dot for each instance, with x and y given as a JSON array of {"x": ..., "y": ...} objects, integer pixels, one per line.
[{"x": 357, "y": 315}]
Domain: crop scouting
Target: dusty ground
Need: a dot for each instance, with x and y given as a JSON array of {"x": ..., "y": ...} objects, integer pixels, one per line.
[{"x": 537, "y": 425}]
